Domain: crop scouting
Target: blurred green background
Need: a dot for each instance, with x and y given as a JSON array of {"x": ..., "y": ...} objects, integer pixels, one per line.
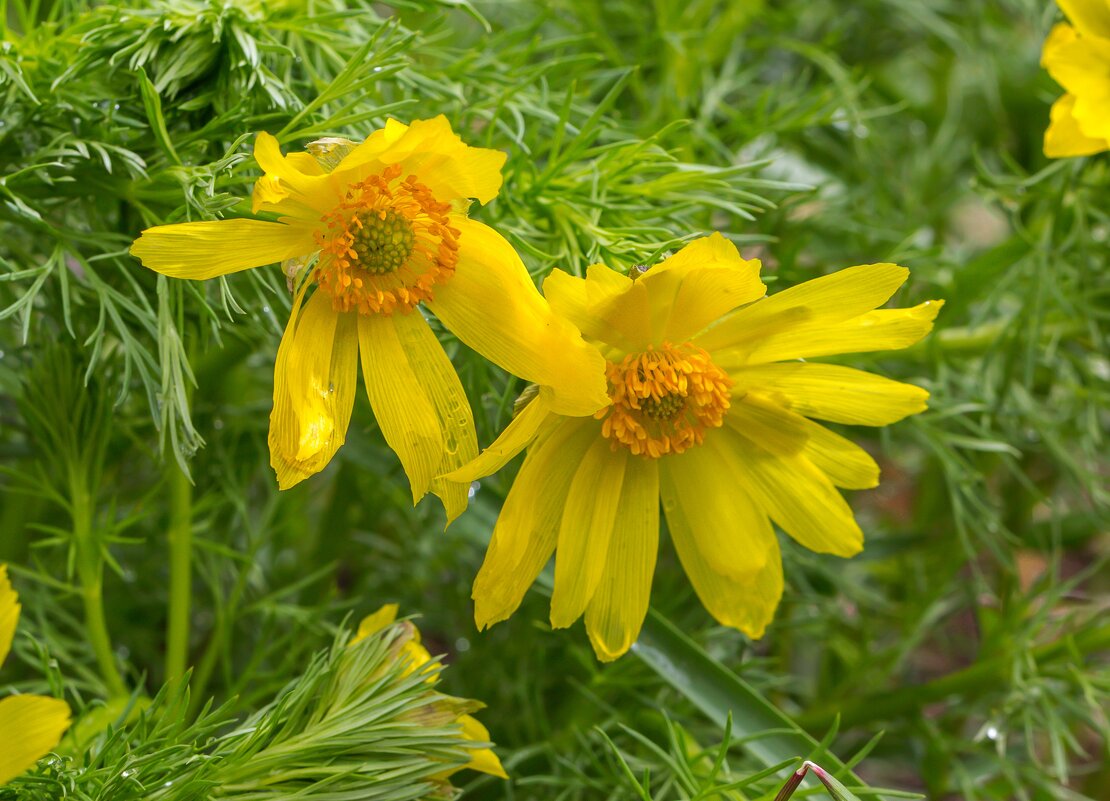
[{"x": 972, "y": 632}]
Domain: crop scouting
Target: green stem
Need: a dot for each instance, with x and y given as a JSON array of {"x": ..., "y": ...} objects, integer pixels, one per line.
[
  {"x": 226, "y": 612},
  {"x": 984, "y": 675},
  {"x": 90, "y": 571},
  {"x": 180, "y": 537}
]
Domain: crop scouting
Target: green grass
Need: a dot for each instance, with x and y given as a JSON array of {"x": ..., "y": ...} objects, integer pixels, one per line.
[{"x": 970, "y": 637}]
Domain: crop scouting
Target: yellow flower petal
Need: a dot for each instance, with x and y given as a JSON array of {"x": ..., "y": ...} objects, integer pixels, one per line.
[
  {"x": 745, "y": 602},
  {"x": 1090, "y": 16},
  {"x": 351, "y": 161},
  {"x": 481, "y": 759},
  {"x": 672, "y": 301},
  {"x": 435, "y": 154},
  {"x": 765, "y": 420},
  {"x": 406, "y": 418},
  {"x": 616, "y": 611},
  {"x": 375, "y": 622},
  {"x": 805, "y": 309},
  {"x": 797, "y": 496},
  {"x": 704, "y": 296},
  {"x": 1063, "y": 139},
  {"x": 419, "y": 403},
  {"x": 1078, "y": 63},
  {"x": 884, "y": 329},
  {"x": 441, "y": 384},
  {"x": 9, "y": 613},
  {"x": 706, "y": 251},
  {"x": 315, "y": 375},
  {"x": 415, "y": 654},
  {"x": 268, "y": 193},
  {"x": 724, "y": 519},
  {"x": 527, "y": 528},
  {"x": 294, "y": 185},
  {"x": 585, "y": 530},
  {"x": 492, "y": 305},
  {"x": 832, "y": 392},
  {"x": 606, "y": 306},
  {"x": 201, "y": 250},
  {"x": 697, "y": 285},
  {"x": 1081, "y": 64},
  {"x": 305, "y": 163},
  {"x": 784, "y": 432},
  {"x": 846, "y": 464},
  {"x": 30, "y": 726},
  {"x": 1056, "y": 42},
  {"x": 518, "y": 434}
]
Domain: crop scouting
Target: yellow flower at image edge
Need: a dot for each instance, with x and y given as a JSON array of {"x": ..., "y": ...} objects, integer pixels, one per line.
[
  {"x": 710, "y": 410},
  {"x": 30, "y": 725},
  {"x": 1078, "y": 58},
  {"x": 386, "y": 223},
  {"x": 482, "y": 759}
]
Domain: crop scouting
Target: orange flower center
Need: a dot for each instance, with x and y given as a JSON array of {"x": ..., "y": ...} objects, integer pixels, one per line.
[
  {"x": 663, "y": 400},
  {"x": 386, "y": 245}
]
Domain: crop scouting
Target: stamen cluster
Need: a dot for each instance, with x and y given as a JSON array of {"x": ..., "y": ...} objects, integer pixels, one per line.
[
  {"x": 386, "y": 245},
  {"x": 383, "y": 241},
  {"x": 663, "y": 400}
]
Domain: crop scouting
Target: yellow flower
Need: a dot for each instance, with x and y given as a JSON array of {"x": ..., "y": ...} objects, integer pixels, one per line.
[
  {"x": 30, "y": 725},
  {"x": 385, "y": 221},
  {"x": 710, "y": 407},
  {"x": 1078, "y": 58},
  {"x": 482, "y": 759}
]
